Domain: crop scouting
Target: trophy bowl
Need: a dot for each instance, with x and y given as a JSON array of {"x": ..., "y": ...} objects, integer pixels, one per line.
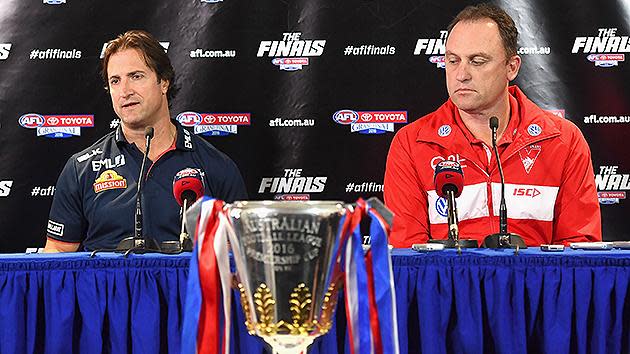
[{"x": 287, "y": 274}]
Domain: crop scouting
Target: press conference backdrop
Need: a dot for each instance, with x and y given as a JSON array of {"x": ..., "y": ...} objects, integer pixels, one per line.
[{"x": 305, "y": 96}]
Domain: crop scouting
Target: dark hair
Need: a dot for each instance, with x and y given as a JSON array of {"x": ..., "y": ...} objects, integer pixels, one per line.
[
  {"x": 152, "y": 53},
  {"x": 507, "y": 28}
]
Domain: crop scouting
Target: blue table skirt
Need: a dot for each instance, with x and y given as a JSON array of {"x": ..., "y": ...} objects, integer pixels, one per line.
[{"x": 482, "y": 301}]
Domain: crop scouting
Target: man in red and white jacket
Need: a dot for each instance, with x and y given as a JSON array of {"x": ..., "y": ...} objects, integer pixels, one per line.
[{"x": 550, "y": 187}]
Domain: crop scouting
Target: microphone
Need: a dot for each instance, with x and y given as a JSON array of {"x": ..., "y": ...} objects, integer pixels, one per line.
[
  {"x": 503, "y": 239},
  {"x": 187, "y": 188},
  {"x": 449, "y": 183},
  {"x": 138, "y": 242}
]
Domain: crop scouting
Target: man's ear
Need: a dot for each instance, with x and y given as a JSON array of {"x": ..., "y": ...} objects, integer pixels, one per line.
[{"x": 513, "y": 66}]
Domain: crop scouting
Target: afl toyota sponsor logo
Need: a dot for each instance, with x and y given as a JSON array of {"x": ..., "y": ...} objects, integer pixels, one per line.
[
  {"x": 370, "y": 122},
  {"x": 214, "y": 124},
  {"x": 57, "y": 126}
]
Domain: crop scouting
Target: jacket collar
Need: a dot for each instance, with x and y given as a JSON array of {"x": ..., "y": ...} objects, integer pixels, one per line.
[{"x": 528, "y": 125}]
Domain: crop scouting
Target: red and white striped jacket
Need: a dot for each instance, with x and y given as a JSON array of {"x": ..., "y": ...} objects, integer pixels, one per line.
[{"x": 550, "y": 185}]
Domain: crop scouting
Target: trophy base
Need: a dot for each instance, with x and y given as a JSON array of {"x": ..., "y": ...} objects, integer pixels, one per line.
[{"x": 288, "y": 344}]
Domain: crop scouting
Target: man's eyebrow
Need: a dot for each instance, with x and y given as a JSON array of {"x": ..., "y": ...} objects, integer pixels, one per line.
[{"x": 135, "y": 72}]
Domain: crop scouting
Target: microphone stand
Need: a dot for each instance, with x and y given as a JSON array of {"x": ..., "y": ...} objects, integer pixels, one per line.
[
  {"x": 139, "y": 243},
  {"x": 453, "y": 240},
  {"x": 502, "y": 239}
]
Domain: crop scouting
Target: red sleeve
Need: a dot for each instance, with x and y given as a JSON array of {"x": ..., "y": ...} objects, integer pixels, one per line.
[
  {"x": 405, "y": 195},
  {"x": 576, "y": 214}
]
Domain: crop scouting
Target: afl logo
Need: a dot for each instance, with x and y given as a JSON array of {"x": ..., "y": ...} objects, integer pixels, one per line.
[
  {"x": 31, "y": 120},
  {"x": 444, "y": 130},
  {"x": 345, "y": 116},
  {"x": 441, "y": 207},
  {"x": 189, "y": 119},
  {"x": 534, "y": 130}
]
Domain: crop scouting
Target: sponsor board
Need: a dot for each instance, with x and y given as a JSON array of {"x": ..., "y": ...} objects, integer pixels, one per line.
[
  {"x": 292, "y": 185},
  {"x": 597, "y": 119},
  {"x": 370, "y": 122},
  {"x": 5, "y": 188},
  {"x": 369, "y": 49},
  {"x": 292, "y": 52},
  {"x": 611, "y": 185},
  {"x": 605, "y": 50},
  {"x": 57, "y": 125},
  {"x": 214, "y": 124},
  {"x": 434, "y": 48},
  {"x": 5, "y": 50}
]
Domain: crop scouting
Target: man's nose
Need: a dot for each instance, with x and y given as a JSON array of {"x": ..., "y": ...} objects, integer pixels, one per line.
[{"x": 463, "y": 72}]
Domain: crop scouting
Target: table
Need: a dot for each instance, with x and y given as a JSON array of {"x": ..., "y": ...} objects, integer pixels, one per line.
[{"x": 482, "y": 301}]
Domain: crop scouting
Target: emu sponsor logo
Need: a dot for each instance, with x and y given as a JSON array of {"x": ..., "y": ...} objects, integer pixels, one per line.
[
  {"x": 370, "y": 122},
  {"x": 5, "y": 49},
  {"x": 611, "y": 185},
  {"x": 292, "y": 52},
  {"x": 57, "y": 126},
  {"x": 109, "y": 179},
  {"x": 606, "y": 49},
  {"x": 434, "y": 48},
  {"x": 292, "y": 185},
  {"x": 214, "y": 124},
  {"x": 5, "y": 188}
]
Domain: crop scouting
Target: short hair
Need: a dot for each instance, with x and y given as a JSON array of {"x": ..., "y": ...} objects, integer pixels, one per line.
[
  {"x": 152, "y": 53},
  {"x": 507, "y": 28}
]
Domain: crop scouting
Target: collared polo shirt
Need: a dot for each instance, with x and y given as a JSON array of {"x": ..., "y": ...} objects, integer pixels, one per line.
[{"x": 95, "y": 196}]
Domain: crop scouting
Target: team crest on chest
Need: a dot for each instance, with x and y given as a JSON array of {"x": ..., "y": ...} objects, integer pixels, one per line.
[
  {"x": 529, "y": 154},
  {"x": 109, "y": 179}
]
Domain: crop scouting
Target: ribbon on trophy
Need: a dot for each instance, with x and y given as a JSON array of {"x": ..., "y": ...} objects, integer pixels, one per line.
[
  {"x": 207, "y": 315},
  {"x": 372, "y": 322}
]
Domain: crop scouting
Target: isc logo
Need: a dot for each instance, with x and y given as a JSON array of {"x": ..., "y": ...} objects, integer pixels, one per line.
[
  {"x": 345, "y": 116},
  {"x": 5, "y": 188},
  {"x": 5, "y": 48},
  {"x": 31, "y": 120},
  {"x": 527, "y": 192}
]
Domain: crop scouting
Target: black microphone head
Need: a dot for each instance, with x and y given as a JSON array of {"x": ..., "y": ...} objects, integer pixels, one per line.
[
  {"x": 494, "y": 123},
  {"x": 148, "y": 132}
]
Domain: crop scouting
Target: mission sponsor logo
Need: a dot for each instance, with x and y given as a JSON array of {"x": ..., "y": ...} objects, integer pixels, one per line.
[
  {"x": 606, "y": 50},
  {"x": 57, "y": 126},
  {"x": 292, "y": 185},
  {"x": 611, "y": 185},
  {"x": 214, "y": 124},
  {"x": 164, "y": 45},
  {"x": 370, "y": 122},
  {"x": 434, "y": 48},
  {"x": 292, "y": 52},
  {"x": 109, "y": 179},
  {"x": 5, "y": 49}
]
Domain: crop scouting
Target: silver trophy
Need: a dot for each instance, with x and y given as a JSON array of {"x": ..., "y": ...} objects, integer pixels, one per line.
[{"x": 287, "y": 268}]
